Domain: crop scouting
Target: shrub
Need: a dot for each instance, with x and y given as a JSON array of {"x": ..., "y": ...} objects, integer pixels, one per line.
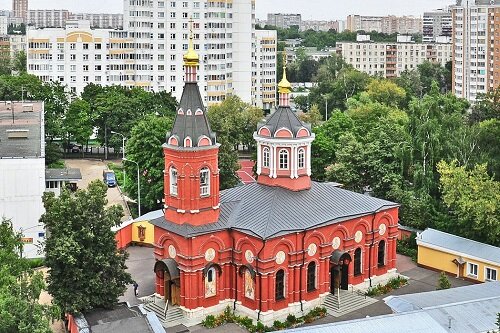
[
  {"x": 291, "y": 319},
  {"x": 209, "y": 322},
  {"x": 278, "y": 325},
  {"x": 246, "y": 322},
  {"x": 260, "y": 327},
  {"x": 443, "y": 282},
  {"x": 36, "y": 262}
]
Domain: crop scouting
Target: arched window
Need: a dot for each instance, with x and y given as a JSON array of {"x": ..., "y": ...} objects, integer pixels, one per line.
[
  {"x": 173, "y": 181},
  {"x": 265, "y": 157},
  {"x": 283, "y": 159},
  {"x": 210, "y": 283},
  {"x": 311, "y": 276},
  {"x": 280, "y": 285},
  {"x": 381, "y": 253},
  {"x": 301, "y": 158},
  {"x": 357, "y": 261},
  {"x": 205, "y": 182}
]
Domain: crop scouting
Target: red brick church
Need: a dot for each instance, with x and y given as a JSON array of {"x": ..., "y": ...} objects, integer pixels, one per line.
[{"x": 266, "y": 249}]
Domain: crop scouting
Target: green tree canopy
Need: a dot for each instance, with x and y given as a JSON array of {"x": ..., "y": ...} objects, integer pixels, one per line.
[
  {"x": 145, "y": 147},
  {"x": 20, "y": 288},
  {"x": 86, "y": 270}
]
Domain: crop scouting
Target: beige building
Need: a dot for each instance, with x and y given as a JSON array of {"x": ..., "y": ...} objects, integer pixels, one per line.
[
  {"x": 264, "y": 74},
  {"x": 20, "y": 9},
  {"x": 391, "y": 59},
  {"x": 385, "y": 24},
  {"x": 476, "y": 47}
]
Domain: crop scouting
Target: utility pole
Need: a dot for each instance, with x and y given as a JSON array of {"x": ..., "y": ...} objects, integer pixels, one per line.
[{"x": 105, "y": 141}]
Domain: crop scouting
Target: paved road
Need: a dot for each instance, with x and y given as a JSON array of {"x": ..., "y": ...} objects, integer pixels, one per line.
[
  {"x": 140, "y": 264},
  {"x": 92, "y": 170}
]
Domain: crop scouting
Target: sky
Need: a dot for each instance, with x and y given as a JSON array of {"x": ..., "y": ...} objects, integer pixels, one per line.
[{"x": 312, "y": 9}]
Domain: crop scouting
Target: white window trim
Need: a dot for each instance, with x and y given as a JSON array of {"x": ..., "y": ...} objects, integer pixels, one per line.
[
  {"x": 173, "y": 188},
  {"x": 486, "y": 276},
  {"x": 469, "y": 273},
  {"x": 264, "y": 164},
  {"x": 287, "y": 159},
  {"x": 205, "y": 189},
  {"x": 303, "y": 152}
]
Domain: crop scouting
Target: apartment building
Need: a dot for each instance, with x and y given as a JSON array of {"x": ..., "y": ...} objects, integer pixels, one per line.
[
  {"x": 437, "y": 24},
  {"x": 385, "y": 24},
  {"x": 53, "y": 18},
  {"x": 284, "y": 21},
  {"x": 338, "y": 26},
  {"x": 264, "y": 72},
  {"x": 100, "y": 21},
  {"x": 148, "y": 51},
  {"x": 476, "y": 47},
  {"x": 20, "y": 9},
  {"x": 391, "y": 59},
  {"x": 4, "y": 23}
]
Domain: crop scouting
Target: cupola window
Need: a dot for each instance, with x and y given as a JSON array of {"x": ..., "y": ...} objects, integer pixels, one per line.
[
  {"x": 301, "y": 158},
  {"x": 173, "y": 181},
  {"x": 205, "y": 182},
  {"x": 265, "y": 157},
  {"x": 283, "y": 159}
]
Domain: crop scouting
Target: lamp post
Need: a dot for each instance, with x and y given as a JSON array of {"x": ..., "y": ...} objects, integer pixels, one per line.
[
  {"x": 123, "y": 152},
  {"x": 138, "y": 184},
  {"x": 22, "y": 230}
]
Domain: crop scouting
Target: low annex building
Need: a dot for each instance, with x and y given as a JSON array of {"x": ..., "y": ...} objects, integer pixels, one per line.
[
  {"x": 463, "y": 257},
  {"x": 266, "y": 249}
]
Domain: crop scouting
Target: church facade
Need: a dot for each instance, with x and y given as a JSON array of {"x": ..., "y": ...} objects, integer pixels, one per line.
[{"x": 266, "y": 249}]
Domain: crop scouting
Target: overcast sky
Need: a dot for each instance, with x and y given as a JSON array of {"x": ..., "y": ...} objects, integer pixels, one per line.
[{"x": 310, "y": 9}]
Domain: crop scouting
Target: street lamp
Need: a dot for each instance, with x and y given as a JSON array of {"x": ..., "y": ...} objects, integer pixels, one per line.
[
  {"x": 138, "y": 184},
  {"x": 123, "y": 152}
]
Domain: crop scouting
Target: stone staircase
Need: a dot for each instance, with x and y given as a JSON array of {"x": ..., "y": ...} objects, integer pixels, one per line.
[
  {"x": 174, "y": 315},
  {"x": 349, "y": 301}
]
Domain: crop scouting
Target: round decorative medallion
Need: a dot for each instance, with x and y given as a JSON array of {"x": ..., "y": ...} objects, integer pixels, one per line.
[
  {"x": 210, "y": 254},
  {"x": 358, "y": 236},
  {"x": 381, "y": 229},
  {"x": 249, "y": 256},
  {"x": 280, "y": 257},
  {"x": 171, "y": 251},
  {"x": 336, "y": 243},
  {"x": 311, "y": 249}
]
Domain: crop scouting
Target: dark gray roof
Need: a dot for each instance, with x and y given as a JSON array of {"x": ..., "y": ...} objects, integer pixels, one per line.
[
  {"x": 193, "y": 126},
  {"x": 268, "y": 212},
  {"x": 12, "y": 118},
  {"x": 463, "y": 246},
  {"x": 63, "y": 174},
  {"x": 284, "y": 117}
]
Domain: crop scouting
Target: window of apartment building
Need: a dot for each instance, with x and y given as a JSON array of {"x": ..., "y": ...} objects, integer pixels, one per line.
[
  {"x": 161, "y": 46},
  {"x": 97, "y": 46},
  {"x": 161, "y": 25},
  {"x": 97, "y": 57},
  {"x": 85, "y": 68},
  {"x": 172, "y": 89},
  {"x": 60, "y": 68},
  {"x": 85, "y": 79},
  {"x": 161, "y": 67},
  {"x": 97, "y": 67},
  {"x": 490, "y": 274},
  {"x": 172, "y": 67},
  {"x": 161, "y": 57},
  {"x": 161, "y": 78},
  {"x": 472, "y": 269},
  {"x": 172, "y": 78},
  {"x": 172, "y": 57},
  {"x": 85, "y": 57},
  {"x": 73, "y": 78},
  {"x": 196, "y": 15},
  {"x": 60, "y": 57},
  {"x": 172, "y": 46},
  {"x": 72, "y": 46},
  {"x": 172, "y": 25},
  {"x": 72, "y": 68},
  {"x": 161, "y": 14},
  {"x": 172, "y": 14},
  {"x": 161, "y": 4},
  {"x": 185, "y": 15},
  {"x": 85, "y": 46},
  {"x": 184, "y": 4},
  {"x": 72, "y": 57},
  {"x": 60, "y": 46},
  {"x": 196, "y": 4},
  {"x": 172, "y": 36},
  {"x": 172, "y": 4},
  {"x": 184, "y": 25},
  {"x": 97, "y": 79}
]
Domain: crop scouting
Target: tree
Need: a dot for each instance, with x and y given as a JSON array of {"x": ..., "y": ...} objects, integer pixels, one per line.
[
  {"x": 20, "y": 288},
  {"x": 145, "y": 147},
  {"x": 313, "y": 116},
  {"x": 443, "y": 282},
  {"x": 385, "y": 92},
  {"x": 77, "y": 121},
  {"x": 433, "y": 72},
  {"x": 19, "y": 63},
  {"x": 473, "y": 198},
  {"x": 86, "y": 270},
  {"x": 487, "y": 107}
]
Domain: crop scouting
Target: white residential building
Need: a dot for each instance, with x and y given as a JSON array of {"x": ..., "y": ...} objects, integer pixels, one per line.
[
  {"x": 4, "y": 23},
  {"x": 101, "y": 21},
  {"x": 437, "y": 24},
  {"x": 390, "y": 59},
  {"x": 264, "y": 74},
  {"x": 148, "y": 51},
  {"x": 17, "y": 44},
  {"x": 476, "y": 46},
  {"x": 22, "y": 170},
  {"x": 284, "y": 21},
  {"x": 386, "y": 24},
  {"x": 53, "y": 18}
]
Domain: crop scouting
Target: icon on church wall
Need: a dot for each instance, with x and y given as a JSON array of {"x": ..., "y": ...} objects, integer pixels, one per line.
[
  {"x": 249, "y": 285},
  {"x": 210, "y": 285},
  {"x": 141, "y": 233}
]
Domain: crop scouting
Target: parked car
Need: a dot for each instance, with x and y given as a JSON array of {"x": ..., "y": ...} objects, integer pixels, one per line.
[
  {"x": 74, "y": 147},
  {"x": 109, "y": 178}
]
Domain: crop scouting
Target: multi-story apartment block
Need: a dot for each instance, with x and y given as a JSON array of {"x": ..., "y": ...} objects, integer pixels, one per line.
[
  {"x": 385, "y": 24},
  {"x": 4, "y": 23},
  {"x": 391, "y": 59},
  {"x": 264, "y": 72},
  {"x": 476, "y": 47},
  {"x": 101, "y": 21},
  {"x": 284, "y": 21},
  {"x": 48, "y": 18},
  {"x": 20, "y": 9},
  {"x": 338, "y": 26},
  {"x": 148, "y": 51},
  {"x": 17, "y": 44},
  {"x": 437, "y": 24}
]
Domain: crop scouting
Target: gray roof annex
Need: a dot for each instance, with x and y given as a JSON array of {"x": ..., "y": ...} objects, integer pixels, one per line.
[{"x": 268, "y": 212}]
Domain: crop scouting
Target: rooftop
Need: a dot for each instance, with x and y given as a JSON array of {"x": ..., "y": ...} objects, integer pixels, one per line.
[
  {"x": 460, "y": 245},
  {"x": 63, "y": 174},
  {"x": 21, "y": 130},
  {"x": 268, "y": 212}
]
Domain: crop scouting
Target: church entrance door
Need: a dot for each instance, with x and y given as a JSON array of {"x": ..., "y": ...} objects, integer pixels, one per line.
[{"x": 339, "y": 278}]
